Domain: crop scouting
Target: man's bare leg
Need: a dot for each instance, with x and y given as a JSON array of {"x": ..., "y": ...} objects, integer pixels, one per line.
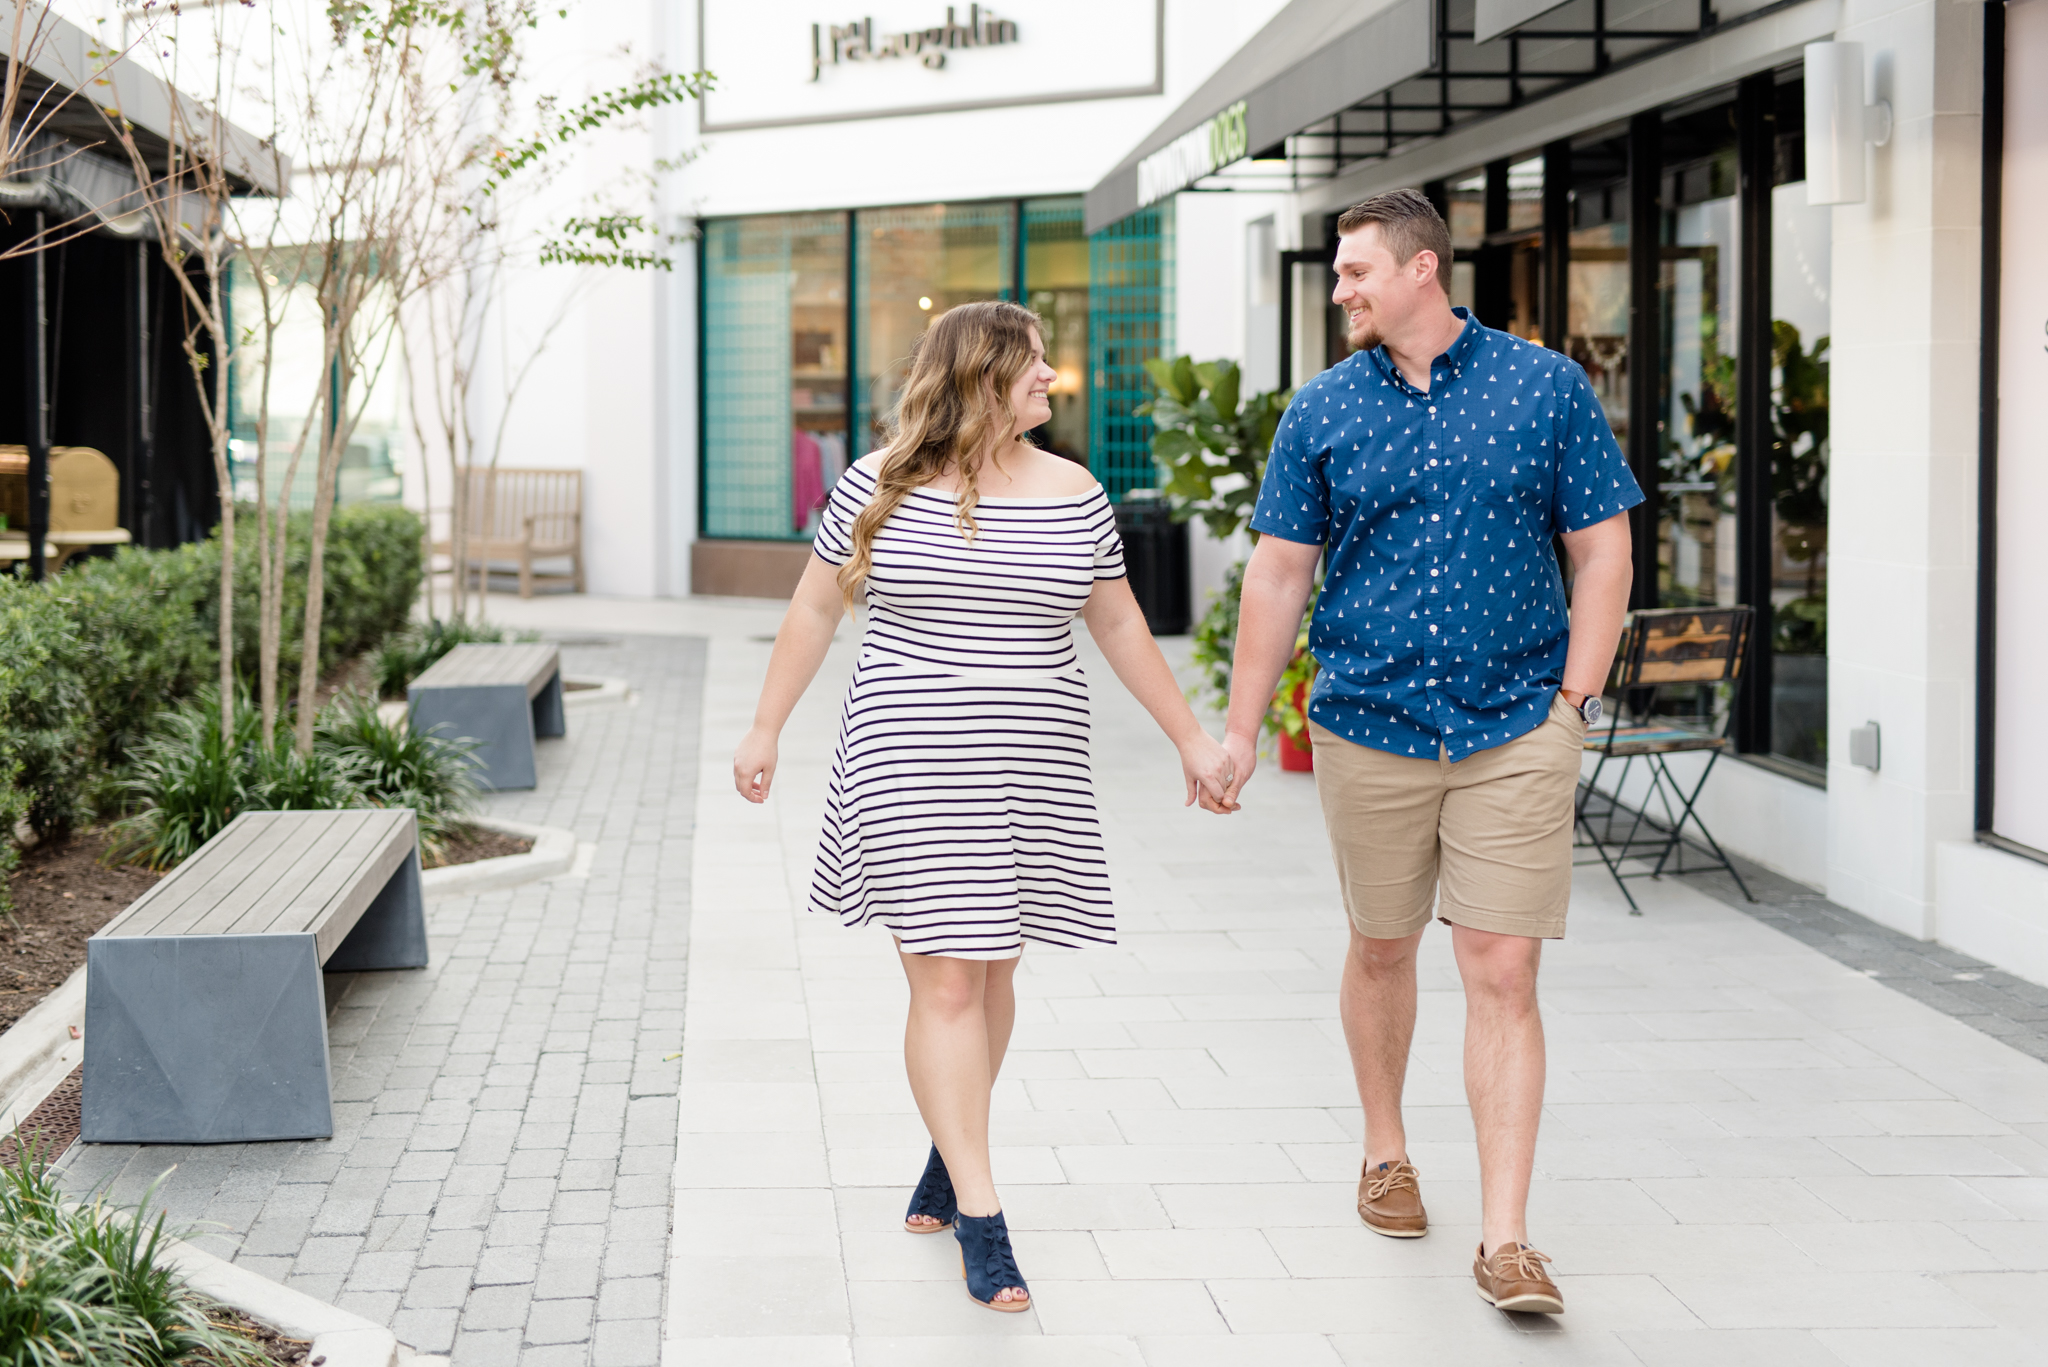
[
  {"x": 1376, "y": 1001},
  {"x": 1503, "y": 1072}
]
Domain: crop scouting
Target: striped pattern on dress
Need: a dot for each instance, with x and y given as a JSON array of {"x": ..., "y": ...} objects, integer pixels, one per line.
[{"x": 960, "y": 814}]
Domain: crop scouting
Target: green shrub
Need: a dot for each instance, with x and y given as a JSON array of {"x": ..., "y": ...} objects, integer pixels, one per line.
[
  {"x": 90, "y": 657},
  {"x": 396, "y": 766},
  {"x": 44, "y": 742},
  {"x": 139, "y": 644},
  {"x": 188, "y": 781},
  {"x": 88, "y": 1284},
  {"x": 409, "y": 653}
]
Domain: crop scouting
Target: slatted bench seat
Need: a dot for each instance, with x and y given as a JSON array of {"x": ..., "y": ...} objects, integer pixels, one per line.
[
  {"x": 205, "y": 1011},
  {"x": 501, "y": 696}
]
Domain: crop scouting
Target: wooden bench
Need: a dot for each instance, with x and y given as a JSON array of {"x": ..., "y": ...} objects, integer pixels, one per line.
[
  {"x": 521, "y": 516},
  {"x": 205, "y": 1011},
  {"x": 500, "y": 696}
]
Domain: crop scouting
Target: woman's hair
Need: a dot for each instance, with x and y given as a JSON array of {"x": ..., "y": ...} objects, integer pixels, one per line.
[{"x": 955, "y": 410}]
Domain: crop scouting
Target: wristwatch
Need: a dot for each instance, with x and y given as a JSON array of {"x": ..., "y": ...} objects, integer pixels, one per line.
[{"x": 1589, "y": 709}]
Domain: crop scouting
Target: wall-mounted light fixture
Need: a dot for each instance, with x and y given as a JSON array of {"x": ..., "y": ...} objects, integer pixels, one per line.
[{"x": 1838, "y": 123}]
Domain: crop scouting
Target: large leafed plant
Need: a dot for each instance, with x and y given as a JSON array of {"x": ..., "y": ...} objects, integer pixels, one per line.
[{"x": 1211, "y": 445}]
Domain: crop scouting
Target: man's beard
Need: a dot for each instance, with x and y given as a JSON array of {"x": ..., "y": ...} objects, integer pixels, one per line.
[{"x": 1362, "y": 334}]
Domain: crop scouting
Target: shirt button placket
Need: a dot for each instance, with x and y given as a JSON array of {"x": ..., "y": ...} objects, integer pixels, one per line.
[{"x": 1436, "y": 530}]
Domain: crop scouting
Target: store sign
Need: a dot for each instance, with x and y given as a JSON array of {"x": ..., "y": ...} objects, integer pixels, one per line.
[
  {"x": 787, "y": 64},
  {"x": 1215, "y": 143},
  {"x": 832, "y": 44}
]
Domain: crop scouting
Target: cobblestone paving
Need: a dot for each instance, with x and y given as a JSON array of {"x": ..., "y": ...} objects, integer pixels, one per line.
[{"x": 498, "y": 1185}]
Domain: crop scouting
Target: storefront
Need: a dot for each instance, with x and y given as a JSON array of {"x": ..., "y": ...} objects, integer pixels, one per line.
[
  {"x": 1783, "y": 311},
  {"x": 940, "y": 162},
  {"x": 1782, "y": 320},
  {"x": 808, "y": 323}
]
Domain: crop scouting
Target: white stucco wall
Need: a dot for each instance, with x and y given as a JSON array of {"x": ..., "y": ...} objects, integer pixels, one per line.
[{"x": 1903, "y": 474}]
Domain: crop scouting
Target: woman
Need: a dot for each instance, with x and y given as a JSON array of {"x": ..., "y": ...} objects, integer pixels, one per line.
[{"x": 960, "y": 815}]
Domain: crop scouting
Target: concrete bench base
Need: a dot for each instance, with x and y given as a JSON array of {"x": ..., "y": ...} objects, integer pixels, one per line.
[
  {"x": 199, "y": 1033},
  {"x": 500, "y": 696}
]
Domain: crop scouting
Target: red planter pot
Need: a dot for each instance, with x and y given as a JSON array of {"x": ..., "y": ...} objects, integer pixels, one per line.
[{"x": 1296, "y": 757}]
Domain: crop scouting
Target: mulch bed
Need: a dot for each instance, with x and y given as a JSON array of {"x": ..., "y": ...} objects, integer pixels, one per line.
[
  {"x": 62, "y": 894},
  {"x": 468, "y": 844},
  {"x": 288, "y": 1352}
]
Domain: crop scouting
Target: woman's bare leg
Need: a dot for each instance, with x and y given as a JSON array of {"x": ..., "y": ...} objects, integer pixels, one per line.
[
  {"x": 999, "y": 1009},
  {"x": 961, "y": 1011},
  {"x": 946, "y": 1049}
]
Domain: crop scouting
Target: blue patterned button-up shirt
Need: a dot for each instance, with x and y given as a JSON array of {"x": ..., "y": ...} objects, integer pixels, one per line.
[{"x": 1443, "y": 619}]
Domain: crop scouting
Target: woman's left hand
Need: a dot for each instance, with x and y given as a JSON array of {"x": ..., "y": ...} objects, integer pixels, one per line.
[{"x": 1206, "y": 766}]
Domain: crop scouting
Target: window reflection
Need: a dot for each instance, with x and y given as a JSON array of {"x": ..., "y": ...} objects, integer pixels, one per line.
[
  {"x": 1496, "y": 222},
  {"x": 1697, "y": 548},
  {"x": 911, "y": 265},
  {"x": 1800, "y": 237},
  {"x": 775, "y": 363},
  {"x": 1056, "y": 284},
  {"x": 1597, "y": 305}
]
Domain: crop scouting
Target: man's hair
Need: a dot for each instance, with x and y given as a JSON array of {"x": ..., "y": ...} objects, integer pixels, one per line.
[{"x": 1408, "y": 224}]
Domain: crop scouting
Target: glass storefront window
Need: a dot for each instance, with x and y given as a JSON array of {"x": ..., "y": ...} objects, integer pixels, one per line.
[
  {"x": 1696, "y": 279},
  {"x": 1496, "y": 222},
  {"x": 1130, "y": 320},
  {"x": 1056, "y": 288},
  {"x": 1597, "y": 299},
  {"x": 1522, "y": 245},
  {"x": 775, "y": 361},
  {"x": 1800, "y": 252},
  {"x": 1465, "y": 216},
  {"x": 910, "y": 265}
]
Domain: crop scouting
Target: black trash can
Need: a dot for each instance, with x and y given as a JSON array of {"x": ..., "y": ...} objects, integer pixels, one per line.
[{"x": 1156, "y": 557}]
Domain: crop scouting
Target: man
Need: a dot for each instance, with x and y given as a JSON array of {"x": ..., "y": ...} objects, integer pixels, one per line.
[{"x": 1437, "y": 463}]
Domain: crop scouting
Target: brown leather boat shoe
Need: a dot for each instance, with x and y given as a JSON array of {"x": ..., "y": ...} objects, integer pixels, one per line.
[
  {"x": 1514, "y": 1279},
  {"x": 1390, "y": 1202}
]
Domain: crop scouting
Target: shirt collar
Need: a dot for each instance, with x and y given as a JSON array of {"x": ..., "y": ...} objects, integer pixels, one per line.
[{"x": 1453, "y": 359}]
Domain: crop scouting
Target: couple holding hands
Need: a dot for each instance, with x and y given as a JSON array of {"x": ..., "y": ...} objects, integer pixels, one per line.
[{"x": 1435, "y": 466}]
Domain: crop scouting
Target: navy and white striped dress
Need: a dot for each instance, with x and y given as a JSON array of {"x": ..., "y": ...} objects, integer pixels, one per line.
[{"x": 961, "y": 815}]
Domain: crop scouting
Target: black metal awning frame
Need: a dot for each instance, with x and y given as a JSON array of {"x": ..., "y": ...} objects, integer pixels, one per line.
[{"x": 1470, "y": 81}]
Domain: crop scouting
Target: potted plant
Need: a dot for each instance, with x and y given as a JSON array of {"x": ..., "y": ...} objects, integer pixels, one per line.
[
  {"x": 1287, "y": 718},
  {"x": 1211, "y": 448}
]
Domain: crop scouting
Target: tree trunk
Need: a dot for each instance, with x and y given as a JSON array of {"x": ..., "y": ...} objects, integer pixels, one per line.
[
  {"x": 316, "y": 582},
  {"x": 225, "y": 477}
]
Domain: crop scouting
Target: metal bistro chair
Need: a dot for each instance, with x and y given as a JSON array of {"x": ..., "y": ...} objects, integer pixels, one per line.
[{"x": 1693, "y": 648}]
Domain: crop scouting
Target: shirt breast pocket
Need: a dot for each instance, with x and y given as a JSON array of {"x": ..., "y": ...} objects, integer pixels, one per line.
[{"x": 1507, "y": 465}]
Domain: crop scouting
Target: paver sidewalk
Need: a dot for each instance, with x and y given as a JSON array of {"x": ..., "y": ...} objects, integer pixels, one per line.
[
  {"x": 498, "y": 1181},
  {"x": 1751, "y": 1153}
]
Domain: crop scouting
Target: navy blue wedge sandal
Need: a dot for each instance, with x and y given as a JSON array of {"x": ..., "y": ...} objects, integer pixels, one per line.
[
  {"x": 987, "y": 1262},
  {"x": 933, "y": 1197}
]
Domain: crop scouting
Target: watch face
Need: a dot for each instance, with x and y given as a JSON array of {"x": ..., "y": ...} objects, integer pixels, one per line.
[{"x": 1591, "y": 711}]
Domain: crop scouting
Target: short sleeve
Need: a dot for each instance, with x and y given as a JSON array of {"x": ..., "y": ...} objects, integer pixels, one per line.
[
  {"x": 834, "y": 542},
  {"x": 1593, "y": 479},
  {"x": 1294, "y": 497},
  {"x": 1109, "y": 543}
]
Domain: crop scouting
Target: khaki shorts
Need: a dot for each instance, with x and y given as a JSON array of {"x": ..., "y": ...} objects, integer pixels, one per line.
[{"x": 1487, "y": 838}]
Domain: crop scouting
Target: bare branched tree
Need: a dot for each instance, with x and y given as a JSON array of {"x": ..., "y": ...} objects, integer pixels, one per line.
[
  {"x": 189, "y": 206},
  {"x": 52, "y": 68},
  {"x": 490, "y": 159}
]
